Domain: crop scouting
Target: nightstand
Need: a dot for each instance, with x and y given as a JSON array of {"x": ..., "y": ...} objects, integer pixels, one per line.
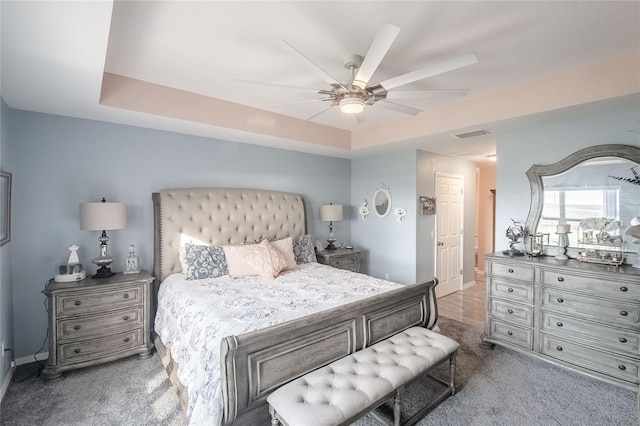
[
  {"x": 340, "y": 258},
  {"x": 94, "y": 321}
]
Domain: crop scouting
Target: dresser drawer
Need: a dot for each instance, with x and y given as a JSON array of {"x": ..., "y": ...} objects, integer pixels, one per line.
[
  {"x": 511, "y": 333},
  {"x": 97, "y": 348},
  {"x": 622, "y": 290},
  {"x": 512, "y": 312},
  {"x": 93, "y": 301},
  {"x": 99, "y": 325},
  {"x": 517, "y": 272},
  {"x": 599, "y": 335},
  {"x": 608, "y": 311},
  {"x": 521, "y": 292},
  {"x": 603, "y": 362}
]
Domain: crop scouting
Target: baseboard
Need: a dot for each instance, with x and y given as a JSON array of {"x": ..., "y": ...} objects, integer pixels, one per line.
[
  {"x": 5, "y": 384},
  {"x": 42, "y": 356},
  {"x": 469, "y": 284}
]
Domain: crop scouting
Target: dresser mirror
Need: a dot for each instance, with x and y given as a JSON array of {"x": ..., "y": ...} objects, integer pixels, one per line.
[
  {"x": 382, "y": 201},
  {"x": 594, "y": 182}
]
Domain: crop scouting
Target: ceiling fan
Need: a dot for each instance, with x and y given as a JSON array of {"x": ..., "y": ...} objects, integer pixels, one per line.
[{"x": 352, "y": 97}]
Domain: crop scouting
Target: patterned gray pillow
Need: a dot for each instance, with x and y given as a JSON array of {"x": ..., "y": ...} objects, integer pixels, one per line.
[
  {"x": 303, "y": 249},
  {"x": 205, "y": 262}
]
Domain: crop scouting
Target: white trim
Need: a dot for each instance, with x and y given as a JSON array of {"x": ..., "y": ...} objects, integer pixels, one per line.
[
  {"x": 42, "y": 356},
  {"x": 469, "y": 284},
  {"x": 5, "y": 384}
]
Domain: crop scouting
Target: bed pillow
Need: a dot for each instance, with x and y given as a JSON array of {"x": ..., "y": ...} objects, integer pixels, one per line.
[
  {"x": 204, "y": 262},
  {"x": 254, "y": 259},
  {"x": 285, "y": 248},
  {"x": 303, "y": 249}
]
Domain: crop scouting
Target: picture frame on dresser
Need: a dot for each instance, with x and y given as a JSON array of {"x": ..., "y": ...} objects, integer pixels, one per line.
[{"x": 5, "y": 207}]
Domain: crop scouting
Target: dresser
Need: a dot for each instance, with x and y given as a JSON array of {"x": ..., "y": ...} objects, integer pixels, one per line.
[
  {"x": 94, "y": 321},
  {"x": 340, "y": 258},
  {"x": 581, "y": 316}
]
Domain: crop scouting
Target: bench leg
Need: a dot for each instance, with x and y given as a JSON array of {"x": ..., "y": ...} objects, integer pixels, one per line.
[
  {"x": 274, "y": 419},
  {"x": 396, "y": 409},
  {"x": 452, "y": 371}
]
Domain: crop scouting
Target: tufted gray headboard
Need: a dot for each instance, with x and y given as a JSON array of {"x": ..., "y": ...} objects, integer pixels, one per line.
[{"x": 217, "y": 216}]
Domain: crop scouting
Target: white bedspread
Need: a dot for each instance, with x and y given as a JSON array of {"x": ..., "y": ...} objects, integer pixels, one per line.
[{"x": 194, "y": 316}]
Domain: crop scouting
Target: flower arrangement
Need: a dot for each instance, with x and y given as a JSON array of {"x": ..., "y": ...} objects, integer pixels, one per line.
[{"x": 600, "y": 223}]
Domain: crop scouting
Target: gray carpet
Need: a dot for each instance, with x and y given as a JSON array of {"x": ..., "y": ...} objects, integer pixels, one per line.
[{"x": 495, "y": 387}]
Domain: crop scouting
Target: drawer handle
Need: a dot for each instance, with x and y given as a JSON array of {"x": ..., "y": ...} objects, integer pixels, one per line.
[
  {"x": 510, "y": 311},
  {"x": 623, "y": 289},
  {"x": 560, "y": 279},
  {"x": 126, "y": 296},
  {"x": 77, "y": 350},
  {"x": 510, "y": 290},
  {"x": 77, "y": 327},
  {"x": 624, "y": 313},
  {"x": 560, "y": 300},
  {"x": 510, "y": 333},
  {"x": 78, "y": 303},
  {"x": 126, "y": 317},
  {"x": 510, "y": 271},
  {"x": 559, "y": 348},
  {"x": 559, "y": 324},
  {"x": 622, "y": 340},
  {"x": 126, "y": 339},
  {"x": 622, "y": 367}
]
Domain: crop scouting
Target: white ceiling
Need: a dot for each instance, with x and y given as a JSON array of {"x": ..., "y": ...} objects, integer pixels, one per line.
[{"x": 54, "y": 54}]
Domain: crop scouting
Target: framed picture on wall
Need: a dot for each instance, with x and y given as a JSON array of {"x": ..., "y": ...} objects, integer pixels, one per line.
[{"x": 5, "y": 208}]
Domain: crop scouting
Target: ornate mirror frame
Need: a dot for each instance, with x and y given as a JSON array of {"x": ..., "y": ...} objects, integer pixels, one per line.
[
  {"x": 382, "y": 190},
  {"x": 537, "y": 172}
]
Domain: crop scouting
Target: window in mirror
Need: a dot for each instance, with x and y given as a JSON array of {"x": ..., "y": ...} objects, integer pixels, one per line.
[{"x": 573, "y": 205}]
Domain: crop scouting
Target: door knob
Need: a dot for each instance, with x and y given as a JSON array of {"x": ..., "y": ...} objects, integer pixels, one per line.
[{"x": 440, "y": 243}]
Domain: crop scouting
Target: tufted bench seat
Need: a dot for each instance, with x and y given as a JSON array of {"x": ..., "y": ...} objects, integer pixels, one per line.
[{"x": 353, "y": 386}]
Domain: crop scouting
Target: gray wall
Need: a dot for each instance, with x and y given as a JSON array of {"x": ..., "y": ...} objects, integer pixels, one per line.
[
  {"x": 390, "y": 247},
  {"x": 428, "y": 165},
  {"x": 6, "y": 307},
  {"x": 518, "y": 151},
  {"x": 59, "y": 162}
]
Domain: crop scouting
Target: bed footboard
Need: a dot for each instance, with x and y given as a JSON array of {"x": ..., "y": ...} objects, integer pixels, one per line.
[{"x": 255, "y": 364}]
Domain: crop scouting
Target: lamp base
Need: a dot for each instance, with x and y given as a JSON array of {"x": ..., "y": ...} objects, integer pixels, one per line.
[
  {"x": 331, "y": 246},
  {"x": 103, "y": 272}
]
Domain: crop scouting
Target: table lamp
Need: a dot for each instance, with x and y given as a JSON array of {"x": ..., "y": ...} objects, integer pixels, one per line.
[
  {"x": 331, "y": 213},
  {"x": 103, "y": 217}
]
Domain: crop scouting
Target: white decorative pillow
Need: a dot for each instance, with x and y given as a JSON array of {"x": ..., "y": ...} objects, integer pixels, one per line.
[
  {"x": 253, "y": 259},
  {"x": 285, "y": 248}
]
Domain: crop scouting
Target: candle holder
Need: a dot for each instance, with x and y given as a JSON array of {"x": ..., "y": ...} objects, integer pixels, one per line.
[{"x": 563, "y": 243}]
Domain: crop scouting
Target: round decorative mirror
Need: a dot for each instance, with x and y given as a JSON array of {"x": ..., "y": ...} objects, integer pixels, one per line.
[{"x": 382, "y": 201}]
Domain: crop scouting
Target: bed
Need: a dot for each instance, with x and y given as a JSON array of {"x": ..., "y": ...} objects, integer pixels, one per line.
[{"x": 327, "y": 313}]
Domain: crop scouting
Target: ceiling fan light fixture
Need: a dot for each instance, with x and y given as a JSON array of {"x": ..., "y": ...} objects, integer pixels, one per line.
[{"x": 352, "y": 105}]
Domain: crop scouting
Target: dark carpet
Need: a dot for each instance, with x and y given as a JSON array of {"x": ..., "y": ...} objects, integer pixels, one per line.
[{"x": 495, "y": 387}]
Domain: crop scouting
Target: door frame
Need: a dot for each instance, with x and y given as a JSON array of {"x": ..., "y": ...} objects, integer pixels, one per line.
[{"x": 435, "y": 242}]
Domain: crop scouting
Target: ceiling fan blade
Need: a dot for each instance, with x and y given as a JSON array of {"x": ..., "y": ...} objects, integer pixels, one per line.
[
  {"x": 282, "y": 86},
  {"x": 432, "y": 94},
  {"x": 380, "y": 46},
  {"x": 317, "y": 113},
  {"x": 397, "y": 107},
  {"x": 325, "y": 75},
  {"x": 442, "y": 67}
]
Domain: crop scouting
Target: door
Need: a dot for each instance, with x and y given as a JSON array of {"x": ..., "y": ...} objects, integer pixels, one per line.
[{"x": 449, "y": 214}]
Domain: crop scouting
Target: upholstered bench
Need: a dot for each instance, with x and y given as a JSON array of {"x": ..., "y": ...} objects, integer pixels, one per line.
[{"x": 355, "y": 385}]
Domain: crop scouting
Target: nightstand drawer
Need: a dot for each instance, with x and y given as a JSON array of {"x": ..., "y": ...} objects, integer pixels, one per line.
[
  {"x": 100, "y": 325},
  {"x": 84, "y": 302},
  {"x": 340, "y": 258},
  {"x": 97, "y": 348},
  {"x": 344, "y": 262}
]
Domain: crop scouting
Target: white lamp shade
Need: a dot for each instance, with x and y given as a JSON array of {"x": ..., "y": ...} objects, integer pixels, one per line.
[
  {"x": 331, "y": 212},
  {"x": 102, "y": 216}
]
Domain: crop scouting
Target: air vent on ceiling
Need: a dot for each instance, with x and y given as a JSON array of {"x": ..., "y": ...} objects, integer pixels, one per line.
[{"x": 472, "y": 133}]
